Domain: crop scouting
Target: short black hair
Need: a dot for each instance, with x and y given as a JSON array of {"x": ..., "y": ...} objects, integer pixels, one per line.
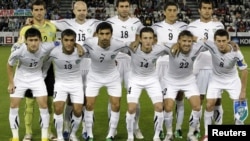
[
  {"x": 185, "y": 33},
  {"x": 221, "y": 32},
  {"x": 33, "y": 32},
  {"x": 104, "y": 25},
  {"x": 68, "y": 32},
  {"x": 38, "y": 2},
  {"x": 206, "y": 2},
  {"x": 118, "y": 1},
  {"x": 146, "y": 29},
  {"x": 171, "y": 3}
]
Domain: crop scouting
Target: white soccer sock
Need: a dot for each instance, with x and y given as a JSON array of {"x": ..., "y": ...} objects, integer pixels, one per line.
[
  {"x": 193, "y": 121},
  {"x": 168, "y": 118},
  {"x": 199, "y": 123},
  {"x": 67, "y": 117},
  {"x": 89, "y": 122},
  {"x": 109, "y": 110},
  {"x": 130, "y": 119},
  {"x": 137, "y": 116},
  {"x": 83, "y": 120},
  {"x": 75, "y": 122},
  {"x": 218, "y": 115},
  {"x": 208, "y": 117},
  {"x": 59, "y": 125},
  {"x": 44, "y": 114},
  {"x": 14, "y": 122},
  {"x": 158, "y": 121},
  {"x": 179, "y": 113},
  {"x": 113, "y": 122}
]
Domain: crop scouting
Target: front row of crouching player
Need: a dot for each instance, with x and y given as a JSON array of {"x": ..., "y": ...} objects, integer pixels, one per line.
[{"x": 102, "y": 50}]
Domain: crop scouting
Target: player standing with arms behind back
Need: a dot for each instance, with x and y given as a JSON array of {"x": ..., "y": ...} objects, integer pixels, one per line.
[
  {"x": 204, "y": 28},
  {"x": 125, "y": 28}
]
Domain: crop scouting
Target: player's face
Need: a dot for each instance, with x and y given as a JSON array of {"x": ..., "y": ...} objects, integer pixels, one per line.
[
  {"x": 185, "y": 43},
  {"x": 38, "y": 12},
  {"x": 206, "y": 11},
  {"x": 123, "y": 9},
  {"x": 222, "y": 43},
  {"x": 80, "y": 11},
  {"x": 147, "y": 40},
  {"x": 68, "y": 44},
  {"x": 33, "y": 43},
  {"x": 104, "y": 37},
  {"x": 171, "y": 14}
]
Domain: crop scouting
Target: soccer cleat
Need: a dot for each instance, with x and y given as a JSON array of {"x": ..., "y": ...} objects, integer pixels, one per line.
[
  {"x": 45, "y": 139},
  {"x": 161, "y": 135},
  {"x": 169, "y": 137},
  {"x": 197, "y": 134},
  {"x": 14, "y": 139},
  {"x": 84, "y": 135},
  {"x": 192, "y": 138},
  {"x": 73, "y": 138},
  {"x": 110, "y": 139},
  {"x": 205, "y": 138},
  {"x": 27, "y": 137},
  {"x": 178, "y": 134},
  {"x": 66, "y": 135},
  {"x": 52, "y": 137},
  {"x": 130, "y": 139},
  {"x": 90, "y": 139},
  {"x": 138, "y": 134}
]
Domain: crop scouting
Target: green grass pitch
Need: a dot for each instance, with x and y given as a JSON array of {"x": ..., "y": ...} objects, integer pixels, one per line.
[{"x": 101, "y": 121}]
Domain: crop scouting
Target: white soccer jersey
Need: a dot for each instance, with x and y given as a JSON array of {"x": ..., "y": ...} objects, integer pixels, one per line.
[
  {"x": 181, "y": 66},
  {"x": 143, "y": 64},
  {"x": 29, "y": 64},
  {"x": 103, "y": 60},
  {"x": 66, "y": 67},
  {"x": 83, "y": 31},
  {"x": 125, "y": 30},
  {"x": 168, "y": 33},
  {"x": 204, "y": 31},
  {"x": 224, "y": 65}
]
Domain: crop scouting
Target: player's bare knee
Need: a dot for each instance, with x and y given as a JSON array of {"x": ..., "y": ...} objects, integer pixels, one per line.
[
  {"x": 210, "y": 106},
  {"x": 196, "y": 107},
  {"x": 158, "y": 107}
]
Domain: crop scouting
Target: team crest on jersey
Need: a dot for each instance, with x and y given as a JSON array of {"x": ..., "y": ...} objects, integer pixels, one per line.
[
  {"x": 133, "y": 28},
  {"x": 214, "y": 30},
  {"x": 78, "y": 61},
  {"x": 154, "y": 61},
  {"x": 89, "y": 30},
  {"x": 113, "y": 56},
  {"x": 241, "y": 110},
  {"x": 193, "y": 58}
]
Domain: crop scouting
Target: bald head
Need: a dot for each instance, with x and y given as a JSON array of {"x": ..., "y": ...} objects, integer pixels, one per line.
[
  {"x": 80, "y": 11},
  {"x": 80, "y": 3}
]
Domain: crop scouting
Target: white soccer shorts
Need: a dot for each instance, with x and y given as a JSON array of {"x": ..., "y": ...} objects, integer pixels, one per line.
[
  {"x": 151, "y": 85},
  {"x": 215, "y": 87},
  {"x": 188, "y": 86},
  {"x": 74, "y": 91},
  {"x": 37, "y": 87}
]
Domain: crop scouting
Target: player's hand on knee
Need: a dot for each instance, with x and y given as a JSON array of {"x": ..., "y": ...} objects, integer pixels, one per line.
[{"x": 11, "y": 88}]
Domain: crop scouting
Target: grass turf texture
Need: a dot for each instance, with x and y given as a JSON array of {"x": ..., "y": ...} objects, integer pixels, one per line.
[{"x": 101, "y": 121}]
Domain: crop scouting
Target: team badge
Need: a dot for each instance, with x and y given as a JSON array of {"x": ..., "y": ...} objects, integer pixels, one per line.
[
  {"x": 113, "y": 56},
  {"x": 78, "y": 61},
  {"x": 241, "y": 110}
]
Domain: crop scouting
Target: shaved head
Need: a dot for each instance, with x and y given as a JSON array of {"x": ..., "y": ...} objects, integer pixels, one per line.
[{"x": 80, "y": 3}]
